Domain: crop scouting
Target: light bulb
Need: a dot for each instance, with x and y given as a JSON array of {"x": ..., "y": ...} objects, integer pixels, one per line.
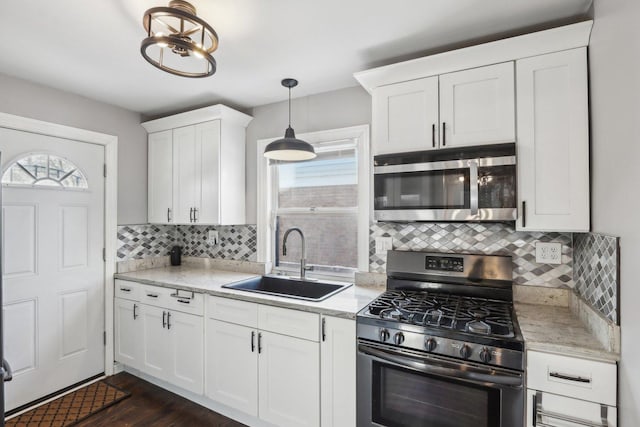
[{"x": 197, "y": 53}]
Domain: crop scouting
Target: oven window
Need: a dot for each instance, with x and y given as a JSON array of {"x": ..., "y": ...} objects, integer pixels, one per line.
[
  {"x": 443, "y": 189},
  {"x": 403, "y": 398}
]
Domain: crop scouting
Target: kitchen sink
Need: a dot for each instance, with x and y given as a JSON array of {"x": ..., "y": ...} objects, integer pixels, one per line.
[{"x": 289, "y": 287}]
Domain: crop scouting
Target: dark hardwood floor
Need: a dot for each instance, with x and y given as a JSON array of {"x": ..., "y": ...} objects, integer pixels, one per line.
[{"x": 149, "y": 405}]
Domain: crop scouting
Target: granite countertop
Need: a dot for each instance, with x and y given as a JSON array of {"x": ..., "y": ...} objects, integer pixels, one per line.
[
  {"x": 209, "y": 281},
  {"x": 556, "y": 329}
]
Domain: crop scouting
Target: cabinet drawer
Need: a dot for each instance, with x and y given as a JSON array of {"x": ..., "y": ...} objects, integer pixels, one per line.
[
  {"x": 553, "y": 410},
  {"x": 233, "y": 311},
  {"x": 294, "y": 323},
  {"x": 186, "y": 301},
  {"x": 573, "y": 377},
  {"x": 127, "y": 290},
  {"x": 154, "y": 295}
]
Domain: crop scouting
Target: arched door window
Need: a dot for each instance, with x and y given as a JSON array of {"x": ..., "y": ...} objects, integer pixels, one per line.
[{"x": 44, "y": 170}]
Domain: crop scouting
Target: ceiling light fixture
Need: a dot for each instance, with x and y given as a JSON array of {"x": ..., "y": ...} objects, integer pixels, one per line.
[
  {"x": 179, "y": 42},
  {"x": 289, "y": 148}
]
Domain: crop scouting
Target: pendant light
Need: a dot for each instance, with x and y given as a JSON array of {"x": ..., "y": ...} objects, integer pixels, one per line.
[
  {"x": 289, "y": 148},
  {"x": 178, "y": 41}
]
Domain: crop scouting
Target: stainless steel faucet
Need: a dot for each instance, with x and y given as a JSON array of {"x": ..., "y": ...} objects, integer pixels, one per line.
[{"x": 303, "y": 259}]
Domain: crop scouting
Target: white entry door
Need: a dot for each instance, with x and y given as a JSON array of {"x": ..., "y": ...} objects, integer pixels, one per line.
[{"x": 53, "y": 232}]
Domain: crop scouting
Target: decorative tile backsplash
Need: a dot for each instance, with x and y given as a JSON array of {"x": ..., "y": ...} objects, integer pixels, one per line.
[
  {"x": 595, "y": 271},
  {"x": 488, "y": 238},
  {"x": 236, "y": 242},
  {"x": 145, "y": 240}
]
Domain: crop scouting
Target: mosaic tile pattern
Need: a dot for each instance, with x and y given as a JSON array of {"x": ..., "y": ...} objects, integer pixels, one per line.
[
  {"x": 236, "y": 242},
  {"x": 488, "y": 238},
  {"x": 144, "y": 241},
  {"x": 596, "y": 271}
]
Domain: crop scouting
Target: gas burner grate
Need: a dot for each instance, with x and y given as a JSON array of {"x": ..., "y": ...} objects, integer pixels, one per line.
[{"x": 475, "y": 315}]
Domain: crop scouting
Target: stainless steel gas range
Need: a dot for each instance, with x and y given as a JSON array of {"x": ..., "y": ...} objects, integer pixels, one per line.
[{"x": 441, "y": 347}]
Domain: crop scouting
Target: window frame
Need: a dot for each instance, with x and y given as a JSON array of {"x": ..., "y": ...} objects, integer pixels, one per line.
[{"x": 267, "y": 198}]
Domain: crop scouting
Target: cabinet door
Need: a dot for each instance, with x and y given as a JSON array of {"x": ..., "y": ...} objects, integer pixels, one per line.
[
  {"x": 160, "y": 175},
  {"x": 338, "y": 372},
  {"x": 208, "y": 146},
  {"x": 405, "y": 116},
  {"x": 232, "y": 366},
  {"x": 186, "y": 180},
  {"x": 289, "y": 380},
  {"x": 155, "y": 336},
  {"x": 128, "y": 331},
  {"x": 553, "y": 142},
  {"x": 186, "y": 348},
  {"x": 477, "y": 106}
]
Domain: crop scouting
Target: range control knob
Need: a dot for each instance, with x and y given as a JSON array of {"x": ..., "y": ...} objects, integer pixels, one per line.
[
  {"x": 430, "y": 344},
  {"x": 465, "y": 351},
  {"x": 485, "y": 355},
  {"x": 384, "y": 335},
  {"x": 398, "y": 338}
]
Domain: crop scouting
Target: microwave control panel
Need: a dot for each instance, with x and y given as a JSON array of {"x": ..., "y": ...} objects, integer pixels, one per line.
[{"x": 444, "y": 263}]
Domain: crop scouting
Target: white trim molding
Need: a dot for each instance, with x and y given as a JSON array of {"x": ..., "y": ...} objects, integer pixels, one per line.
[
  {"x": 509, "y": 49},
  {"x": 201, "y": 115},
  {"x": 265, "y": 199},
  {"x": 110, "y": 143}
]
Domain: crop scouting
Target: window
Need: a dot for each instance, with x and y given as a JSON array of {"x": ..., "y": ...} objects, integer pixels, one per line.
[
  {"x": 44, "y": 170},
  {"x": 327, "y": 198}
]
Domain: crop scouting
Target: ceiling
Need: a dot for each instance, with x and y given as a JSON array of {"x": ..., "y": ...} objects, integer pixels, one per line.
[{"x": 91, "y": 48}]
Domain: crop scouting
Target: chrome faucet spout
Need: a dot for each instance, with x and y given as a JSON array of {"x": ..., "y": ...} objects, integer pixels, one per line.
[{"x": 303, "y": 258}]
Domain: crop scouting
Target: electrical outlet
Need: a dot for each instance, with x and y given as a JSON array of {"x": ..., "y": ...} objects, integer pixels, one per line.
[
  {"x": 549, "y": 253},
  {"x": 212, "y": 237},
  {"x": 383, "y": 244}
]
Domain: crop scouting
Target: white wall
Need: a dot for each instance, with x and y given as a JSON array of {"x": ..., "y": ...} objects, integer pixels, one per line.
[
  {"x": 329, "y": 110},
  {"x": 614, "y": 56},
  {"x": 26, "y": 99}
]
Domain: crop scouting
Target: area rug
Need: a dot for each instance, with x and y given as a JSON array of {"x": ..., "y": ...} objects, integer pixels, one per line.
[{"x": 71, "y": 408}]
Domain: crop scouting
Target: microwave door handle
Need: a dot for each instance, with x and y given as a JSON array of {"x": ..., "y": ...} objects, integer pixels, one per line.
[
  {"x": 473, "y": 186},
  {"x": 439, "y": 370}
]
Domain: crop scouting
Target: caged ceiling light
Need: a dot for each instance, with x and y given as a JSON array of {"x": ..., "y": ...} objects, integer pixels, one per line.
[
  {"x": 289, "y": 148},
  {"x": 179, "y": 42}
]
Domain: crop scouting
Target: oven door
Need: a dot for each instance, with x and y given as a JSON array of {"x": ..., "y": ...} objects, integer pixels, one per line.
[{"x": 401, "y": 388}]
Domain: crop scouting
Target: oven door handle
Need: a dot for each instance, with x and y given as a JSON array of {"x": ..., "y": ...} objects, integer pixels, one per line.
[{"x": 419, "y": 365}]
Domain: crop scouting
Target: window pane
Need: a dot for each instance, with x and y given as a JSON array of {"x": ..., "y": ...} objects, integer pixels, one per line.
[
  {"x": 46, "y": 171},
  {"x": 330, "y": 180},
  {"x": 330, "y": 239}
]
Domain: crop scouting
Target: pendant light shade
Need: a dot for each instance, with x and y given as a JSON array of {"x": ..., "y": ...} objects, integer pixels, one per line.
[
  {"x": 289, "y": 148},
  {"x": 178, "y": 41}
]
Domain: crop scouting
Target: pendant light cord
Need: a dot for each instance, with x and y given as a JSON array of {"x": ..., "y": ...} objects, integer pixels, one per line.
[{"x": 289, "y": 106}]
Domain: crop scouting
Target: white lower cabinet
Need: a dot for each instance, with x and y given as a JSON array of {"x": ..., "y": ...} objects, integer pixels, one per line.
[
  {"x": 338, "y": 372},
  {"x": 232, "y": 365},
  {"x": 564, "y": 391},
  {"x": 289, "y": 380},
  {"x": 128, "y": 332},
  {"x": 162, "y": 342},
  {"x": 266, "y": 363}
]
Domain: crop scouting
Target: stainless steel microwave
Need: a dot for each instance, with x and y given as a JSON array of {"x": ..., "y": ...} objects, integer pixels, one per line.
[{"x": 455, "y": 184}]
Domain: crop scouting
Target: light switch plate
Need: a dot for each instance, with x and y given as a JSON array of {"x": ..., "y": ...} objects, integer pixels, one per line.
[
  {"x": 383, "y": 244},
  {"x": 212, "y": 237},
  {"x": 549, "y": 253}
]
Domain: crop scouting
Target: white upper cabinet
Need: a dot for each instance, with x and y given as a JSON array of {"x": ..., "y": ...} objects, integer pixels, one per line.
[
  {"x": 160, "y": 209},
  {"x": 405, "y": 116},
  {"x": 553, "y": 142},
  {"x": 477, "y": 106},
  {"x": 203, "y": 182},
  {"x": 470, "y": 107}
]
